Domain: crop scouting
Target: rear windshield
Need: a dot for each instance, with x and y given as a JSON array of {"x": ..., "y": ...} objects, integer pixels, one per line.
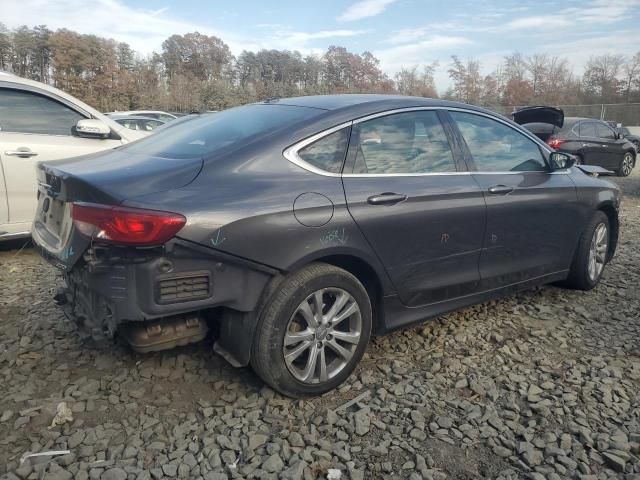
[{"x": 212, "y": 133}]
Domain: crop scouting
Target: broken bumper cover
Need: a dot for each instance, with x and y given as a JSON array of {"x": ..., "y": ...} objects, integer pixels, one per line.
[{"x": 113, "y": 285}]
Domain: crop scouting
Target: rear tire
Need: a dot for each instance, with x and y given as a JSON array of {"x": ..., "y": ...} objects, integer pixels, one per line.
[
  {"x": 592, "y": 254},
  {"x": 313, "y": 332},
  {"x": 626, "y": 165}
]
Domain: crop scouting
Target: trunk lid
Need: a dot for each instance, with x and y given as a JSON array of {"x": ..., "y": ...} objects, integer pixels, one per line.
[
  {"x": 106, "y": 178},
  {"x": 539, "y": 114}
]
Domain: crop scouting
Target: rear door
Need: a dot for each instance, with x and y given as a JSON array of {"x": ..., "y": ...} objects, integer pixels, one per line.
[
  {"x": 612, "y": 151},
  {"x": 33, "y": 128},
  {"x": 532, "y": 214},
  {"x": 416, "y": 204},
  {"x": 591, "y": 147}
]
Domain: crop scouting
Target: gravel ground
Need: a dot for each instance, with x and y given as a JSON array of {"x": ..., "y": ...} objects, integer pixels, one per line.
[{"x": 542, "y": 385}]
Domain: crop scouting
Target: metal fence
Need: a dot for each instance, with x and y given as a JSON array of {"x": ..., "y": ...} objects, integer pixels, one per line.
[{"x": 627, "y": 114}]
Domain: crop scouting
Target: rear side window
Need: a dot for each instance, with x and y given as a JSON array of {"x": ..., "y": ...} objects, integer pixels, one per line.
[
  {"x": 588, "y": 129},
  {"x": 604, "y": 131},
  {"x": 496, "y": 147},
  {"x": 209, "y": 134},
  {"x": 409, "y": 143},
  {"x": 27, "y": 112},
  {"x": 327, "y": 153}
]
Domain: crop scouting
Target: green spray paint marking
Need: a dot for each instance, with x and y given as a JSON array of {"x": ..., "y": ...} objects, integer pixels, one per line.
[
  {"x": 67, "y": 253},
  {"x": 334, "y": 236},
  {"x": 218, "y": 239}
]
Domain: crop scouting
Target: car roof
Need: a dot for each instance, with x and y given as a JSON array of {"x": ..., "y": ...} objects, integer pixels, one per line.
[
  {"x": 134, "y": 112},
  {"x": 116, "y": 116},
  {"x": 335, "y": 102},
  {"x": 574, "y": 120}
]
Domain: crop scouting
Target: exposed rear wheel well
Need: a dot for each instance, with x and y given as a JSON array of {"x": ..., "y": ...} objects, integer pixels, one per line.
[
  {"x": 369, "y": 279},
  {"x": 614, "y": 226}
]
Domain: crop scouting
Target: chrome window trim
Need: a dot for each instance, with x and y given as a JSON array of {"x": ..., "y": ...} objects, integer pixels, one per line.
[
  {"x": 291, "y": 153},
  {"x": 522, "y": 130},
  {"x": 434, "y": 174}
]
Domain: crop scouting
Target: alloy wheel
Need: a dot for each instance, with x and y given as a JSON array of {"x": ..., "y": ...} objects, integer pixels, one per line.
[
  {"x": 627, "y": 164},
  {"x": 598, "y": 251},
  {"x": 322, "y": 335}
]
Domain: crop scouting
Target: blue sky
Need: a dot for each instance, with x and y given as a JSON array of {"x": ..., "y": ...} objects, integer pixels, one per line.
[{"x": 399, "y": 32}]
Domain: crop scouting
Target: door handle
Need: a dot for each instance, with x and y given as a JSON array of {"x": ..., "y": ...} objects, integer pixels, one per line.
[
  {"x": 386, "y": 199},
  {"x": 585, "y": 144},
  {"x": 604, "y": 146},
  {"x": 500, "y": 190},
  {"x": 21, "y": 153}
]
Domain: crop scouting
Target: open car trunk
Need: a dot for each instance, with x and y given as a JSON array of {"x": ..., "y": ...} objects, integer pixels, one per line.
[{"x": 546, "y": 115}]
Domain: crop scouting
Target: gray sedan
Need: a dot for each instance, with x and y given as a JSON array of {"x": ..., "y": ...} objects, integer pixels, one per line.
[{"x": 296, "y": 228}]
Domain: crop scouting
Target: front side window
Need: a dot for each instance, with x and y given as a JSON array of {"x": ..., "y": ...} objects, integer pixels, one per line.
[
  {"x": 588, "y": 129},
  {"x": 409, "y": 143},
  {"x": 604, "y": 131},
  {"x": 327, "y": 153},
  {"x": 496, "y": 147},
  {"x": 27, "y": 112}
]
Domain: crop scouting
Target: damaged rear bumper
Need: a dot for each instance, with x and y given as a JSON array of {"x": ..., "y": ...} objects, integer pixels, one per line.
[{"x": 111, "y": 286}]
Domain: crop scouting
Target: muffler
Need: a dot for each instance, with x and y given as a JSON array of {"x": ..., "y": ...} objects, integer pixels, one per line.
[{"x": 164, "y": 334}]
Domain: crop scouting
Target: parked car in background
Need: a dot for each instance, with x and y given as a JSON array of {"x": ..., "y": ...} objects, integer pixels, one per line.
[
  {"x": 626, "y": 133},
  {"x": 303, "y": 225},
  {"x": 41, "y": 123},
  {"x": 182, "y": 119},
  {"x": 133, "y": 122},
  {"x": 592, "y": 142},
  {"x": 159, "y": 115}
]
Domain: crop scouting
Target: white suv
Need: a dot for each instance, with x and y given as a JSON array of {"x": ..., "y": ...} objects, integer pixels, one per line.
[{"x": 38, "y": 123}]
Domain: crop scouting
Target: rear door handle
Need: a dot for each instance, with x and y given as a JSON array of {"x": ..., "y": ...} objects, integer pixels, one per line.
[
  {"x": 386, "y": 199},
  {"x": 500, "y": 190},
  {"x": 24, "y": 153}
]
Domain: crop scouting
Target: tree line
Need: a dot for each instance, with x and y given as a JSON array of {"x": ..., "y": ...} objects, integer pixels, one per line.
[{"x": 199, "y": 72}]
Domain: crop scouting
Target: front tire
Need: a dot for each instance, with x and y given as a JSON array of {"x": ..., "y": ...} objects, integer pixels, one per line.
[
  {"x": 313, "y": 332},
  {"x": 591, "y": 255},
  {"x": 626, "y": 165}
]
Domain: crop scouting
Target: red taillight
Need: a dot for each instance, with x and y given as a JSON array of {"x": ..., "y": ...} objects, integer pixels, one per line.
[
  {"x": 555, "y": 143},
  {"x": 131, "y": 226}
]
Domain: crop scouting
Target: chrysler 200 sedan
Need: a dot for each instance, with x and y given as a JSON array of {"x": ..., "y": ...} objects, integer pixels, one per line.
[{"x": 294, "y": 229}]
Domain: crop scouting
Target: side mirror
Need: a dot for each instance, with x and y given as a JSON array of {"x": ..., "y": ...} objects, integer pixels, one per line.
[
  {"x": 561, "y": 161},
  {"x": 92, "y": 128}
]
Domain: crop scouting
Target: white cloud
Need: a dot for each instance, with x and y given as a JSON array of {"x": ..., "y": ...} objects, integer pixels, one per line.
[
  {"x": 364, "y": 9},
  {"x": 537, "y": 22},
  {"x": 306, "y": 36},
  {"x": 424, "y": 51},
  {"x": 145, "y": 30}
]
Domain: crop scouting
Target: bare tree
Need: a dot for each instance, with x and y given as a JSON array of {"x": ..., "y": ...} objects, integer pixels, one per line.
[
  {"x": 631, "y": 72},
  {"x": 600, "y": 79},
  {"x": 411, "y": 81}
]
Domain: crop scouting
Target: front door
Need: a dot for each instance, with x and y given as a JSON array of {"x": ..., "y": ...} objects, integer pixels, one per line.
[
  {"x": 423, "y": 215},
  {"x": 532, "y": 214}
]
